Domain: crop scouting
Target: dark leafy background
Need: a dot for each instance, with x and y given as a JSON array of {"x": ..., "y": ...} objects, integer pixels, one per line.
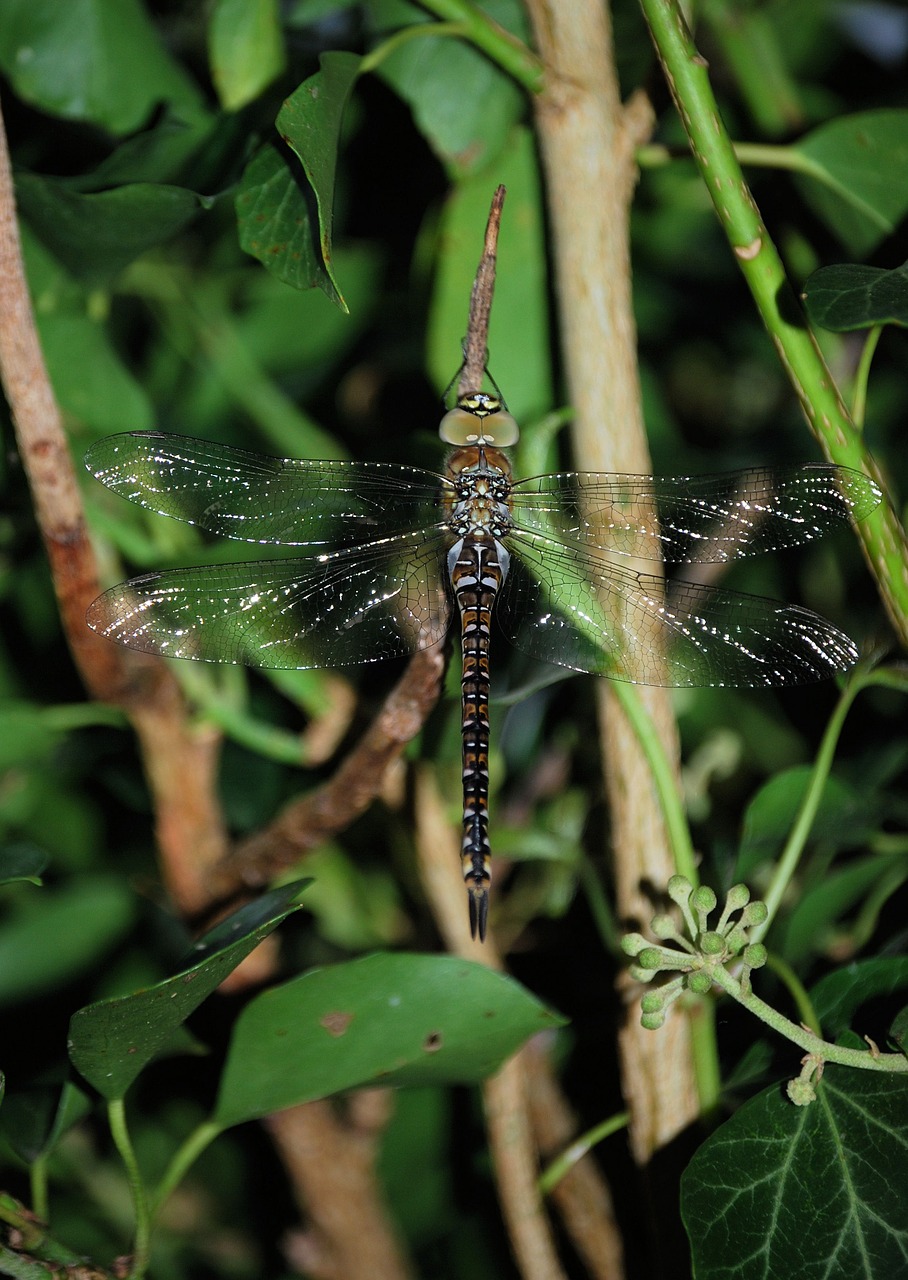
[{"x": 170, "y": 243}]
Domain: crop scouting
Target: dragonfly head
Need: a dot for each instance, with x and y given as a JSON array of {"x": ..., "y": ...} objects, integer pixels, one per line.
[{"x": 479, "y": 419}]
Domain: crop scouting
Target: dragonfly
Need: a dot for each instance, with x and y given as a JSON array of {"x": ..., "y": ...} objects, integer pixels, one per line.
[{"x": 391, "y": 555}]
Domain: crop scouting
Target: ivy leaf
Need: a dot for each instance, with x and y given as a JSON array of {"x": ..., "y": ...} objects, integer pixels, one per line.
[
  {"x": 385, "y": 1019},
  {"x": 285, "y": 215},
  {"x": 780, "y": 1190},
  {"x": 245, "y": 49},
  {"x": 101, "y": 61},
  {"x": 837, "y": 996},
  {"x": 22, "y": 862},
  {"x": 463, "y": 103},
  {"x": 858, "y": 181},
  {"x": 95, "y": 236},
  {"x": 35, "y": 1118},
  {"x": 111, "y": 1041},
  {"x": 850, "y": 296}
]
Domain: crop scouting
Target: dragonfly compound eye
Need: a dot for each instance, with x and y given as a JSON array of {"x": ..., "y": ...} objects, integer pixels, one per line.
[{"x": 464, "y": 426}]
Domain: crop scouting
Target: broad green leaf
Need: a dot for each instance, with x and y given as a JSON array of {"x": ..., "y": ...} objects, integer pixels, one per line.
[
  {"x": 35, "y": 1118},
  {"x": 461, "y": 101},
  {"x": 838, "y": 995},
  {"x": 385, "y": 1019},
  {"x": 813, "y": 1192},
  {"x": 245, "y": 49},
  {"x": 858, "y": 181},
  {"x": 807, "y": 929},
  {"x": 851, "y": 296},
  {"x": 111, "y": 1041},
  {"x": 101, "y": 61},
  {"x": 22, "y": 862},
  {"x": 519, "y": 349},
  {"x": 310, "y": 124},
  {"x": 26, "y": 736},
  {"x": 96, "y": 236},
  {"x": 284, "y": 210},
  {"x": 844, "y": 817},
  {"x": 58, "y": 934}
]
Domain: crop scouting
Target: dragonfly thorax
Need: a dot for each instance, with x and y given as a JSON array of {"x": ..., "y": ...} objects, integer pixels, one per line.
[{"x": 481, "y": 492}]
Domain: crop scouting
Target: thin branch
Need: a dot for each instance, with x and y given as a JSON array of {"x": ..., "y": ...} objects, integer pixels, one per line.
[
  {"x": 476, "y": 343},
  {"x": 310, "y": 821}
]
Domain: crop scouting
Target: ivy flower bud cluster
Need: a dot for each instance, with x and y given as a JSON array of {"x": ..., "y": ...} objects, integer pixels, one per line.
[{"x": 696, "y": 955}]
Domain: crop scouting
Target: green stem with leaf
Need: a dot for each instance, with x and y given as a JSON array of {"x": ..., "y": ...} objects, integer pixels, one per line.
[{"x": 687, "y": 74}]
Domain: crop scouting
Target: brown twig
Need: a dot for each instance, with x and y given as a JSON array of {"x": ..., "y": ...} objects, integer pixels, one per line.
[
  {"x": 476, "y": 343},
  {"x": 309, "y": 821}
]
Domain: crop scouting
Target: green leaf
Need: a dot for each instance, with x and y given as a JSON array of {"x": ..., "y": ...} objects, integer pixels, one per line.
[
  {"x": 22, "y": 862},
  {"x": 60, "y": 933},
  {"x": 859, "y": 176},
  {"x": 310, "y": 124},
  {"x": 461, "y": 101},
  {"x": 245, "y": 49},
  {"x": 824, "y": 904},
  {"x": 101, "y": 61},
  {"x": 850, "y": 296},
  {"x": 519, "y": 348},
  {"x": 385, "y": 1019},
  {"x": 812, "y": 1191},
  {"x": 35, "y": 1119},
  {"x": 283, "y": 205},
  {"x": 838, "y": 995},
  {"x": 96, "y": 236},
  {"x": 111, "y": 1041},
  {"x": 845, "y": 817}
]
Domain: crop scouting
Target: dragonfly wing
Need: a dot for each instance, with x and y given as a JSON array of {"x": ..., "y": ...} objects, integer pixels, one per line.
[
  {"x": 694, "y": 518},
  {"x": 255, "y": 498},
  {"x": 589, "y": 614},
  {"x": 351, "y": 607}
]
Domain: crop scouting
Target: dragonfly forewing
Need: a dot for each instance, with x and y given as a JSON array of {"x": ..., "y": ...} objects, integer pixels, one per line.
[
  {"x": 254, "y": 498},
  {"x": 681, "y": 519}
]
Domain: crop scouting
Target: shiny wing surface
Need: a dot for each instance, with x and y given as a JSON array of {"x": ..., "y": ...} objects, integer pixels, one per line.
[
  {"x": 589, "y": 614},
  {"x": 693, "y": 518},
  {"x": 350, "y": 607},
  {"x": 255, "y": 498}
]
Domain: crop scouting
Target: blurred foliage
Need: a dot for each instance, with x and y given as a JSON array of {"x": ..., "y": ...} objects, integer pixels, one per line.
[{"x": 174, "y": 216}]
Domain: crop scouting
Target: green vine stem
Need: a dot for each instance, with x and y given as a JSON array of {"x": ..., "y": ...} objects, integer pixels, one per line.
[
  {"x": 116, "y": 1115},
  {"x": 794, "y": 846},
  {"x": 687, "y": 75},
  {"x": 200, "y": 1138},
  {"x": 504, "y": 49},
  {"x": 822, "y": 1050},
  {"x": 562, "y": 1165},
  {"x": 663, "y": 779}
]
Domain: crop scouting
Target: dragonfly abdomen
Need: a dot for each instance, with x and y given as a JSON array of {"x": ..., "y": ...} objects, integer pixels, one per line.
[{"x": 477, "y": 566}]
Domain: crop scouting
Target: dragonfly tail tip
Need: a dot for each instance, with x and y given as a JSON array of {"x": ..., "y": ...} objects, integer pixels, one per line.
[{"x": 479, "y": 910}]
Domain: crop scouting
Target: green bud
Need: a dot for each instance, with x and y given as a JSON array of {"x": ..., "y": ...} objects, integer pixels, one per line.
[
  {"x": 801, "y": 1092},
  {"x": 703, "y": 899},
  {"x": 755, "y": 956},
  {"x": 663, "y": 926},
  {"x": 755, "y": 912},
  {"x": 737, "y": 897},
  {"x": 640, "y": 975},
  {"x": 650, "y": 958},
  {"x": 736, "y": 939},
  {"x": 653, "y": 1001},
  {"x": 652, "y": 1021},
  {"x": 679, "y": 889},
  {"x": 699, "y": 982},
  {"x": 633, "y": 943},
  {"x": 711, "y": 943}
]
